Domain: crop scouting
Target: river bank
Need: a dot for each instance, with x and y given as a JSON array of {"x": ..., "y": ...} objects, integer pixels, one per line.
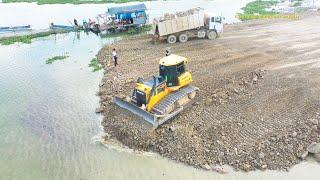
[{"x": 259, "y": 92}]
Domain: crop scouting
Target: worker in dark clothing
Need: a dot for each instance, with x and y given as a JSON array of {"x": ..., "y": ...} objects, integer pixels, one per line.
[
  {"x": 75, "y": 22},
  {"x": 115, "y": 57}
]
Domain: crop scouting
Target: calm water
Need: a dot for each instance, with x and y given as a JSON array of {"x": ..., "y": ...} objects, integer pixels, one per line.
[{"x": 47, "y": 122}]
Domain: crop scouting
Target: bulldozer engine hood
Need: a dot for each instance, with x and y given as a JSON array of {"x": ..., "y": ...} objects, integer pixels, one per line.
[{"x": 143, "y": 88}]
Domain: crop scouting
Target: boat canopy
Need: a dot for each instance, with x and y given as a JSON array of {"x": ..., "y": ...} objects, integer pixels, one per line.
[{"x": 127, "y": 9}]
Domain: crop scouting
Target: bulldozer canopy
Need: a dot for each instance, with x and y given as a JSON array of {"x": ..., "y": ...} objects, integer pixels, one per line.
[{"x": 172, "y": 60}]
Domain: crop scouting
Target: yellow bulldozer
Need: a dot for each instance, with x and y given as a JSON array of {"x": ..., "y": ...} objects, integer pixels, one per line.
[{"x": 162, "y": 97}]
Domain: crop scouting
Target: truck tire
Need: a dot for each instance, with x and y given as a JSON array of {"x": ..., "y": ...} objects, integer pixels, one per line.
[
  {"x": 201, "y": 34},
  {"x": 172, "y": 39},
  {"x": 212, "y": 35},
  {"x": 183, "y": 38}
]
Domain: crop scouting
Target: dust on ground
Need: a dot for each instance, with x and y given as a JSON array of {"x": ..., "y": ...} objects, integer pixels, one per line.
[{"x": 258, "y": 103}]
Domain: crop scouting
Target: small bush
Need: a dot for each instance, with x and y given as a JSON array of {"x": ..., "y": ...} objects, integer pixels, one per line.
[
  {"x": 132, "y": 30},
  {"x": 95, "y": 65},
  {"x": 56, "y": 58}
]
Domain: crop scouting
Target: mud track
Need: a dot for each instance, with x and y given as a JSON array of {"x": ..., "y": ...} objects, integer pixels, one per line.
[{"x": 259, "y": 99}]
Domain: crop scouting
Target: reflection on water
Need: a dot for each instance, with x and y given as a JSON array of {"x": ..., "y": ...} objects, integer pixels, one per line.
[{"x": 47, "y": 119}]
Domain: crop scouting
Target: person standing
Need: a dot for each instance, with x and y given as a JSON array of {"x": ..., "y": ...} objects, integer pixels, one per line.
[
  {"x": 168, "y": 53},
  {"x": 75, "y": 22},
  {"x": 115, "y": 57}
]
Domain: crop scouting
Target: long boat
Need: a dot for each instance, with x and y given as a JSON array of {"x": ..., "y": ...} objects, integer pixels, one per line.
[
  {"x": 62, "y": 27},
  {"x": 15, "y": 28}
]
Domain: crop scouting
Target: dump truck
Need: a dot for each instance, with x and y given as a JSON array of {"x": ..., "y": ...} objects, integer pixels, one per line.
[
  {"x": 163, "y": 96},
  {"x": 183, "y": 25}
]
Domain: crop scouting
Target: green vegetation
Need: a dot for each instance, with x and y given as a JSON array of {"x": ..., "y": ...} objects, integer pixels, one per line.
[
  {"x": 71, "y": 1},
  {"x": 56, "y": 58},
  {"x": 11, "y": 40},
  {"x": 139, "y": 30},
  {"x": 95, "y": 65},
  {"x": 131, "y": 31},
  {"x": 27, "y": 39},
  {"x": 257, "y": 10},
  {"x": 259, "y": 7}
]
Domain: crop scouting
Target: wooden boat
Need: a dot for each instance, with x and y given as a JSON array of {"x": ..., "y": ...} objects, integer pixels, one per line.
[
  {"x": 62, "y": 27},
  {"x": 15, "y": 28}
]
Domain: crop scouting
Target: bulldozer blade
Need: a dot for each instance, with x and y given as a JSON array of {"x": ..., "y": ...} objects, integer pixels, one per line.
[
  {"x": 150, "y": 118},
  {"x": 154, "y": 120}
]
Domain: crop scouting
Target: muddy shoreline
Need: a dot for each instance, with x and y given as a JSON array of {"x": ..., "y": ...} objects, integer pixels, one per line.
[{"x": 258, "y": 107}]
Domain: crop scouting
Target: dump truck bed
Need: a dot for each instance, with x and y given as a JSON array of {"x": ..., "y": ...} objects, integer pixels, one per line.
[{"x": 181, "y": 21}]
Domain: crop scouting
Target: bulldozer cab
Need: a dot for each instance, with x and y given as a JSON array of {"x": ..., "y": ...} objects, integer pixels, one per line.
[{"x": 171, "y": 68}]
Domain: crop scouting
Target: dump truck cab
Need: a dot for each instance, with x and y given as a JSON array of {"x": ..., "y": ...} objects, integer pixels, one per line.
[{"x": 214, "y": 22}]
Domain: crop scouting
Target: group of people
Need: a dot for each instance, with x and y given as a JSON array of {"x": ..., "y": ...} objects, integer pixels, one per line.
[
  {"x": 84, "y": 22},
  {"x": 88, "y": 25},
  {"x": 124, "y": 21}
]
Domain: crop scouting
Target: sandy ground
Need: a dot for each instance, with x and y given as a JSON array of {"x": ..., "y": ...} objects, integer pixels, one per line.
[{"x": 259, "y": 95}]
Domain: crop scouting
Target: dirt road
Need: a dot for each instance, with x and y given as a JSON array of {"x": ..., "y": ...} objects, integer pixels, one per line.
[{"x": 259, "y": 95}]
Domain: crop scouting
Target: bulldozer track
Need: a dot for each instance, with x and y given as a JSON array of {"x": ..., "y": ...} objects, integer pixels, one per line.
[{"x": 171, "y": 99}]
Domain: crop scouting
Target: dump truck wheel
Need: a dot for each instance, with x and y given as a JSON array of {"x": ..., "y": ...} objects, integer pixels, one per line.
[
  {"x": 172, "y": 39},
  {"x": 183, "y": 38},
  {"x": 212, "y": 35},
  {"x": 201, "y": 34}
]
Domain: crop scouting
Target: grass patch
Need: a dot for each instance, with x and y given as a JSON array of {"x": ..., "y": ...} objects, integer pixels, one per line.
[
  {"x": 139, "y": 30},
  {"x": 94, "y": 64},
  {"x": 56, "y": 58},
  {"x": 131, "y": 31},
  {"x": 12, "y": 40},
  {"x": 27, "y": 39},
  {"x": 257, "y": 10},
  {"x": 71, "y": 1}
]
